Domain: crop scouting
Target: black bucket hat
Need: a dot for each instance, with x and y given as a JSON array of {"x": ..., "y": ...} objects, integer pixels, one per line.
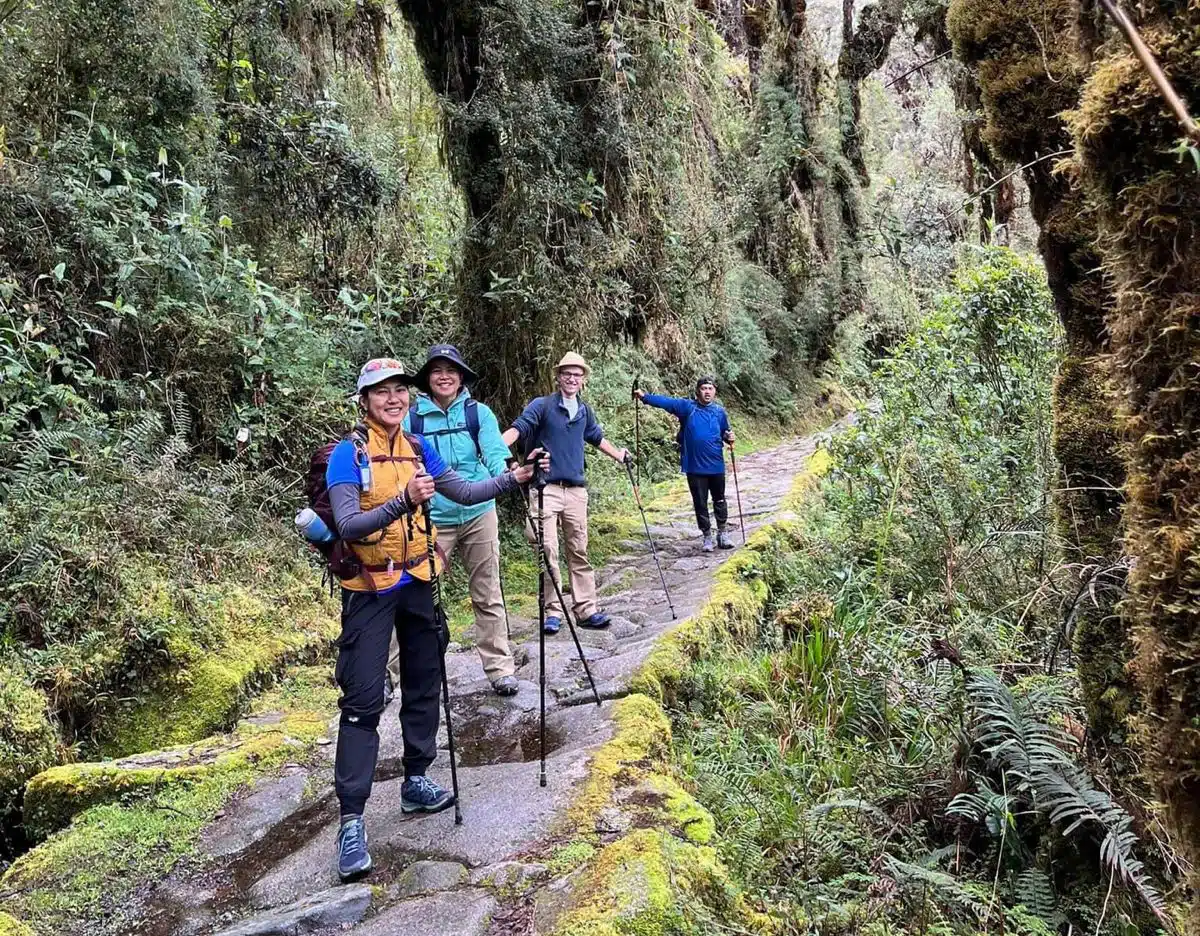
[{"x": 446, "y": 352}]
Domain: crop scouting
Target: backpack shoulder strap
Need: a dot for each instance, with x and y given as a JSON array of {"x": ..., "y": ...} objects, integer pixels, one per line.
[
  {"x": 414, "y": 442},
  {"x": 416, "y": 422},
  {"x": 471, "y": 411}
]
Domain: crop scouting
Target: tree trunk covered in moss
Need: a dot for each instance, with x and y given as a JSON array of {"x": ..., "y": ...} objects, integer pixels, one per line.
[
  {"x": 864, "y": 50},
  {"x": 984, "y": 174},
  {"x": 596, "y": 203},
  {"x": 1146, "y": 200},
  {"x": 1023, "y": 54}
]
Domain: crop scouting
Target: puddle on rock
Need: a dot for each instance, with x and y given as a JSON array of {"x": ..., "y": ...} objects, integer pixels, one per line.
[
  {"x": 485, "y": 741},
  {"x": 489, "y": 731}
]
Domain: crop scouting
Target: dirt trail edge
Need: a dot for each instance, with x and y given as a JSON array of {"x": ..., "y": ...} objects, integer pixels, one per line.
[{"x": 273, "y": 871}]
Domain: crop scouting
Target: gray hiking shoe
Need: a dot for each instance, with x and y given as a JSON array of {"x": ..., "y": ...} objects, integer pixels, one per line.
[
  {"x": 505, "y": 685},
  {"x": 708, "y": 543},
  {"x": 353, "y": 860},
  {"x": 420, "y": 794},
  {"x": 724, "y": 541}
]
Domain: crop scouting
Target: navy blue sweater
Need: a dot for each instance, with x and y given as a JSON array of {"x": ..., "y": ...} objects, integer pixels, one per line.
[{"x": 545, "y": 424}]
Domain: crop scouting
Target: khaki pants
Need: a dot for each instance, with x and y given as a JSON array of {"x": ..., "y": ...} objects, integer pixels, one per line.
[
  {"x": 478, "y": 541},
  {"x": 567, "y": 506}
]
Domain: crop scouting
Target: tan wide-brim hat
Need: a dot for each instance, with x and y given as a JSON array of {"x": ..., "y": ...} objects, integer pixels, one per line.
[{"x": 571, "y": 359}]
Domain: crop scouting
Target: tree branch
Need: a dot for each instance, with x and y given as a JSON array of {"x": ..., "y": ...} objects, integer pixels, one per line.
[{"x": 1150, "y": 63}]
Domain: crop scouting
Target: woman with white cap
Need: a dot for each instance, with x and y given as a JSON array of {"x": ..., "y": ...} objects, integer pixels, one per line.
[{"x": 379, "y": 481}]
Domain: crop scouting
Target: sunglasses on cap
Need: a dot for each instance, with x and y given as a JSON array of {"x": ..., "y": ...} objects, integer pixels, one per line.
[{"x": 380, "y": 364}]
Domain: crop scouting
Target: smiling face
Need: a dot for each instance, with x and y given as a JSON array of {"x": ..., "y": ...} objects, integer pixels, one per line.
[
  {"x": 445, "y": 381},
  {"x": 706, "y": 393},
  {"x": 387, "y": 403},
  {"x": 570, "y": 380}
]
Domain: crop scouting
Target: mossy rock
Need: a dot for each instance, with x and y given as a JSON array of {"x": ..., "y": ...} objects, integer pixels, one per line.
[
  {"x": 651, "y": 883},
  {"x": 136, "y": 831},
  {"x": 55, "y": 796},
  {"x": 29, "y": 742},
  {"x": 238, "y": 641}
]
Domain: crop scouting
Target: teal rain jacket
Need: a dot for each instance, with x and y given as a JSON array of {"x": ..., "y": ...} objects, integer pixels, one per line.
[{"x": 457, "y": 450}]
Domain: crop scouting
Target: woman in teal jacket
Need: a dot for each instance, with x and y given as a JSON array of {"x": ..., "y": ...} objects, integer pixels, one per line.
[{"x": 467, "y": 437}]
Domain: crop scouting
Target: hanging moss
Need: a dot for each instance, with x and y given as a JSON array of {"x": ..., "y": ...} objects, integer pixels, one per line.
[
  {"x": 1023, "y": 55},
  {"x": 1147, "y": 202}
]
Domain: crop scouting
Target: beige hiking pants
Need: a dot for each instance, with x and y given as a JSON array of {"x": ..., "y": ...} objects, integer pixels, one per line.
[
  {"x": 478, "y": 542},
  {"x": 567, "y": 507}
]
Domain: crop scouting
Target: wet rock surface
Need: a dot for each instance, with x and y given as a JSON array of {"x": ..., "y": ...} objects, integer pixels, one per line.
[{"x": 271, "y": 855}]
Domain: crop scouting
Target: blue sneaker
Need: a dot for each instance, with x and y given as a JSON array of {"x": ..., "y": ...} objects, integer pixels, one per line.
[
  {"x": 551, "y": 625},
  {"x": 597, "y": 621},
  {"x": 353, "y": 859},
  {"x": 420, "y": 794}
]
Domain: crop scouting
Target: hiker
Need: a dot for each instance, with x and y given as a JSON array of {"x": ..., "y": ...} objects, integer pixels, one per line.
[
  {"x": 466, "y": 435},
  {"x": 703, "y": 425},
  {"x": 561, "y": 423},
  {"x": 378, "y": 482}
]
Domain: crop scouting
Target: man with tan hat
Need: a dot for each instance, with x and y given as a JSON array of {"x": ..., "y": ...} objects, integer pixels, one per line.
[{"x": 561, "y": 423}]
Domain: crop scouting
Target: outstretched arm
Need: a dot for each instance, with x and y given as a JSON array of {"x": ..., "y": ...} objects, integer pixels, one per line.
[
  {"x": 526, "y": 424},
  {"x": 676, "y": 406},
  {"x": 354, "y": 523},
  {"x": 455, "y": 487},
  {"x": 616, "y": 454}
]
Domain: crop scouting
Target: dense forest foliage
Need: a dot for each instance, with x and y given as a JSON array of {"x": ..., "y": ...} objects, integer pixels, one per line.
[{"x": 973, "y": 705}]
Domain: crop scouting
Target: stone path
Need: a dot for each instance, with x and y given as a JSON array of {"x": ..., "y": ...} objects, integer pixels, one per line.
[{"x": 273, "y": 849}]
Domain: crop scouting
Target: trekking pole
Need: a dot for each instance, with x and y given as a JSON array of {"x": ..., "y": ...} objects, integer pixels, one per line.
[
  {"x": 637, "y": 496},
  {"x": 540, "y": 532},
  {"x": 738, "y": 492},
  {"x": 544, "y": 565},
  {"x": 504, "y": 601},
  {"x": 439, "y": 613},
  {"x": 637, "y": 425}
]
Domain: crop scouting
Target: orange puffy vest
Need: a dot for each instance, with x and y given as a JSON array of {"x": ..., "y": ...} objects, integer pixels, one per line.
[{"x": 402, "y": 546}]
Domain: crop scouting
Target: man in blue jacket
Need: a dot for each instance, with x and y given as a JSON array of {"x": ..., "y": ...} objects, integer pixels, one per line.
[
  {"x": 466, "y": 436},
  {"x": 703, "y": 425}
]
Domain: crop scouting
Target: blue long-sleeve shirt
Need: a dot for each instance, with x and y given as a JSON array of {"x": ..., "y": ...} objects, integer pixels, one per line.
[
  {"x": 546, "y": 424},
  {"x": 704, "y": 426}
]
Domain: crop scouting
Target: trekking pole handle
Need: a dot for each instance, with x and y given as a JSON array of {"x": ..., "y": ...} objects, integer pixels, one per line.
[{"x": 539, "y": 479}]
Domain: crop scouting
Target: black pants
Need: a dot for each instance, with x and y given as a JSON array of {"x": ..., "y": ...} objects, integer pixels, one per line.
[
  {"x": 367, "y": 623},
  {"x": 701, "y": 486}
]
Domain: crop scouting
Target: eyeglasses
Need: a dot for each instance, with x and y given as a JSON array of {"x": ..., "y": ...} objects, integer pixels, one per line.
[{"x": 571, "y": 375}]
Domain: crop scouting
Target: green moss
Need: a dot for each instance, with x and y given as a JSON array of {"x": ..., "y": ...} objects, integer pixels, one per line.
[
  {"x": 12, "y": 927},
  {"x": 28, "y": 740},
  {"x": 734, "y": 607},
  {"x": 681, "y": 812},
  {"x": 650, "y": 883},
  {"x": 56, "y": 795},
  {"x": 239, "y": 640},
  {"x": 568, "y": 857},
  {"x": 1145, "y": 196},
  {"x": 92, "y": 869},
  {"x": 642, "y": 732}
]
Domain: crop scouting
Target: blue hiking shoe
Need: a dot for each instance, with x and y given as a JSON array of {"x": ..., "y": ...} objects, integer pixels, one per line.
[
  {"x": 597, "y": 621},
  {"x": 353, "y": 859},
  {"x": 420, "y": 794},
  {"x": 551, "y": 625}
]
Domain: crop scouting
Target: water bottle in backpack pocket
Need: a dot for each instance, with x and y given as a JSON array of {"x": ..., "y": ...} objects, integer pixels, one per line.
[{"x": 312, "y": 527}]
